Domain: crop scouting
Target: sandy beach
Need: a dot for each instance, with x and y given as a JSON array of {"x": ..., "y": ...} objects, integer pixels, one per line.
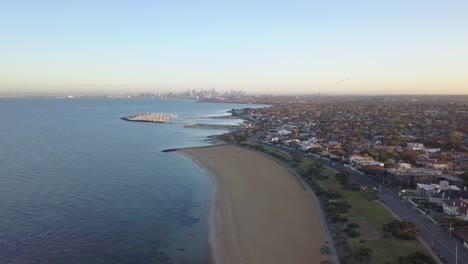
[{"x": 260, "y": 213}]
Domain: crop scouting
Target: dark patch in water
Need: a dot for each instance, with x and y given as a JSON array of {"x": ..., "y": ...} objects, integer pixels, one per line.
[{"x": 188, "y": 221}]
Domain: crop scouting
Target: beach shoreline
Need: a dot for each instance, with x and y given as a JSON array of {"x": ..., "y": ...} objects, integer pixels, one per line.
[
  {"x": 248, "y": 217},
  {"x": 210, "y": 225}
]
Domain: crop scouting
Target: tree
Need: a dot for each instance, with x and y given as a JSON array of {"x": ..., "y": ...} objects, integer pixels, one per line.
[
  {"x": 297, "y": 156},
  {"x": 314, "y": 168},
  {"x": 343, "y": 177},
  {"x": 409, "y": 156},
  {"x": 416, "y": 258},
  {"x": 454, "y": 140},
  {"x": 390, "y": 164},
  {"x": 364, "y": 255},
  {"x": 402, "y": 229},
  {"x": 353, "y": 233}
]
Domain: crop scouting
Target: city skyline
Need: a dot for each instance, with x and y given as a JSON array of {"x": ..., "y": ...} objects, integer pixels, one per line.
[{"x": 360, "y": 47}]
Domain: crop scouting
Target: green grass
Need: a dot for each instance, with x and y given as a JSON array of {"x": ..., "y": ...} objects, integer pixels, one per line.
[
  {"x": 269, "y": 150},
  {"x": 372, "y": 211},
  {"x": 305, "y": 163},
  {"x": 331, "y": 183},
  {"x": 386, "y": 250}
]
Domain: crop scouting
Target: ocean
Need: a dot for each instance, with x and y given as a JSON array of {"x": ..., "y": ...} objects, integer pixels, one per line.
[{"x": 80, "y": 185}]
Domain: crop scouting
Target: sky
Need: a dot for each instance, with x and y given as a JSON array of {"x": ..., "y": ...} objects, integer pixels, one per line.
[{"x": 267, "y": 47}]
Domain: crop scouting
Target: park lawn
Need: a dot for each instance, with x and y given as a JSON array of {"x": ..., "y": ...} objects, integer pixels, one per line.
[
  {"x": 274, "y": 151},
  {"x": 385, "y": 250},
  {"x": 388, "y": 250},
  {"x": 270, "y": 150},
  {"x": 331, "y": 183},
  {"x": 248, "y": 143},
  {"x": 372, "y": 211},
  {"x": 305, "y": 163}
]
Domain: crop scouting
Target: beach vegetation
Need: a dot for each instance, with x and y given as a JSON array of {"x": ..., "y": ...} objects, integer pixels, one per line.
[
  {"x": 402, "y": 229},
  {"x": 353, "y": 233},
  {"x": 444, "y": 220},
  {"x": 228, "y": 137},
  {"x": 314, "y": 169},
  {"x": 363, "y": 255},
  {"x": 331, "y": 194},
  {"x": 383, "y": 245},
  {"x": 325, "y": 250},
  {"x": 281, "y": 155},
  {"x": 415, "y": 258},
  {"x": 297, "y": 156}
]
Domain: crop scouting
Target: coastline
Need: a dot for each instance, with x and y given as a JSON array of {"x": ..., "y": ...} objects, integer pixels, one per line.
[
  {"x": 258, "y": 211},
  {"x": 210, "y": 223}
]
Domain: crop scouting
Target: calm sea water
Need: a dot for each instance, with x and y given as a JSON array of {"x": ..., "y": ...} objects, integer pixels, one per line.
[{"x": 79, "y": 185}]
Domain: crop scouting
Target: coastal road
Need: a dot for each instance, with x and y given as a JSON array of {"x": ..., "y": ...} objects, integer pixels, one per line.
[{"x": 432, "y": 234}]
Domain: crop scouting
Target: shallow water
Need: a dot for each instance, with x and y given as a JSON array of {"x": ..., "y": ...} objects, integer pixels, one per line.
[{"x": 79, "y": 185}]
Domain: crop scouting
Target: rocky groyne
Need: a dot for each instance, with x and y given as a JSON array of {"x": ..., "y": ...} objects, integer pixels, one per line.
[{"x": 150, "y": 117}]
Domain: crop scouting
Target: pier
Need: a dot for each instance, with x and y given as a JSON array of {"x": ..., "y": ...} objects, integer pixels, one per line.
[{"x": 150, "y": 117}]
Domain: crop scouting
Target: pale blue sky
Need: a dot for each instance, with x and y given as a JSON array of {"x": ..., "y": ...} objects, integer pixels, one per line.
[{"x": 258, "y": 46}]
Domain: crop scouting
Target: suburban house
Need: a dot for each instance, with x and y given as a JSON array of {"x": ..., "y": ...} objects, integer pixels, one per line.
[
  {"x": 439, "y": 197},
  {"x": 456, "y": 207},
  {"x": 462, "y": 235},
  {"x": 425, "y": 190},
  {"x": 415, "y": 146},
  {"x": 361, "y": 162},
  {"x": 412, "y": 176}
]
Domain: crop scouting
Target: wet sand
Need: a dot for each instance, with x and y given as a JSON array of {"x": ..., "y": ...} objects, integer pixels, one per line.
[{"x": 260, "y": 213}]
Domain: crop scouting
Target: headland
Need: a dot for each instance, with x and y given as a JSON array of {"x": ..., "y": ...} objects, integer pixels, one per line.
[{"x": 260, "y": 213}]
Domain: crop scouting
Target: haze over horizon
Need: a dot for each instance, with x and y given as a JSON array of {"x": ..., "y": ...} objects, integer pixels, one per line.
[{"x": 355, "y": 47}]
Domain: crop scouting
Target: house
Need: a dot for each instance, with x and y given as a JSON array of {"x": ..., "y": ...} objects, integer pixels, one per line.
[
  {"x": 425, "y": 190},
  {"x": 415, "y": 146},
  {"x": 402, "y": 165},
  {"x": 437, "y": 193},
  {"x": 365, "y": 162},
  {"x": 454, "y": 180},
  {"x": 436, "y": 164},
  {"x": 408, "y": 177},
  {"x": 443, "y": 195},
  {"x": 431, "y": 150},
  {"x": 456, "y": 207},
  {"x": 462, "y": 235}
]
